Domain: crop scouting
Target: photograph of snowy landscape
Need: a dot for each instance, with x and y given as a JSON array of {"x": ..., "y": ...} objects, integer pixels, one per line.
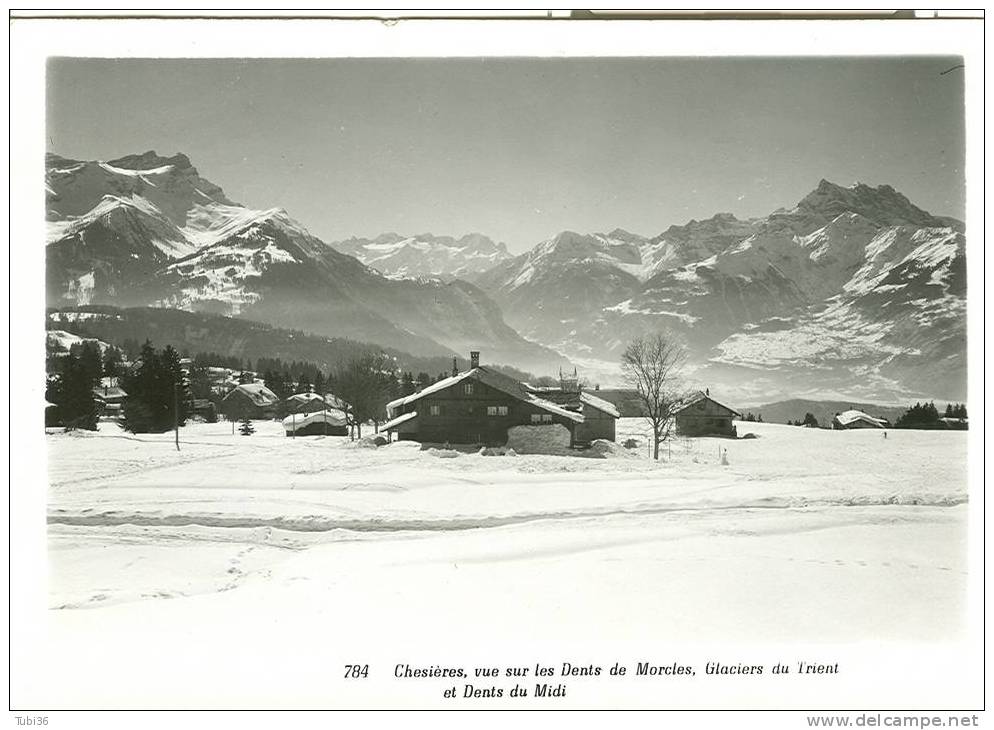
[{"x": 403, "y": 352}]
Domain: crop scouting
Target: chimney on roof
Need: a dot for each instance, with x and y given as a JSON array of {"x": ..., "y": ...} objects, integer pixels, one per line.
[
  {"x": 455, "y": 368},
  {"x": 707, "y": 392},
  {"x": 474, "y": 358}
]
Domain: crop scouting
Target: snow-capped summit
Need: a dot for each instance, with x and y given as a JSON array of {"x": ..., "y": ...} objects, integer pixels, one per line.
[
  {"x": 172, "y": 184},
  {"x": 849, "y": 280},
  {"x": 148, "y": 230},
  {"x": 408, "y": 257},
  {"x": 882, "y": 204},
  {"x": 151, "y": 160}
]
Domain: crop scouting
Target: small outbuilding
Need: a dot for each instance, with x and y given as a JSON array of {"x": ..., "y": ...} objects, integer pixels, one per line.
[
  {"x": 110, "y": 399},
  {"x": 316, "y": 423},
  {"x": 701, "y": 415},
  {"x": 599, "y": 419}
]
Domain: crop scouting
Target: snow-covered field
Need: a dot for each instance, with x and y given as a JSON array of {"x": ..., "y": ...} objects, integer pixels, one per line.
[{"x": 805, "y": 535}]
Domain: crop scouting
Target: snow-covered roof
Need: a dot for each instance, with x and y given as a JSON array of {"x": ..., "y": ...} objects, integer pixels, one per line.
[
  {"x": 847, "y": 417},
  {"x": 305, "y": 397},
  {"x": 403, "y": 418},
  {"x": 698, "y": 396},
  {"x": 257, "y": 393},
  {"x": 495, "y": 380},
  {"x": 105, "y": 393},
  {"x": 600, "y": 404},
  {"x": 303, "y": 402},
  {"x": 331, "y": 417},
  {"x": 433, "y": 388}
]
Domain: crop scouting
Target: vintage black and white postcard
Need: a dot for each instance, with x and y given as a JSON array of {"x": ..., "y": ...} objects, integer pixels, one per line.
[{"x": 497, "y": 365}]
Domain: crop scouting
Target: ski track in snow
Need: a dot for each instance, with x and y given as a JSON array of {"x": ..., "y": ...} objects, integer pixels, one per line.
[
  {"x": 132, "y": 521},
  {"x": 319, "y": 523}
]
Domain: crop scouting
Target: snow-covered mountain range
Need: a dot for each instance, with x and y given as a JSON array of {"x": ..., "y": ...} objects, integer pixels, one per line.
[
  {"x": 146, "y": 230},
  {"x": 425, "y": 255},
  {"x": 853, "y": 291}
]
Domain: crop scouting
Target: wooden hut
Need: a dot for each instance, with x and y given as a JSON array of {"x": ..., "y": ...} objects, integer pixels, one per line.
[
  {"x": 701, "y": 415},
  {"x": 599, "y": 419}
]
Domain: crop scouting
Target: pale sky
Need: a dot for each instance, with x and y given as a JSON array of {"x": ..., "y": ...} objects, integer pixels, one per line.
[{"x": 520, "y": 149}]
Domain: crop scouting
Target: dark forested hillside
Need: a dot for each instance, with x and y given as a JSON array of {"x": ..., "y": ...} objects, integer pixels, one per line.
[{"x": 229, "y": 336}]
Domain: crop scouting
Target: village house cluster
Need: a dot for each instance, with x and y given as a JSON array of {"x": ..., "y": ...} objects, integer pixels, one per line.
[{"x": 478, "y": 406}]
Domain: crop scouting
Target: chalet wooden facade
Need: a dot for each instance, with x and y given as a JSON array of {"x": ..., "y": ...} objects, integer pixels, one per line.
[
  {"x": 702, "y": 415},
  {"x": 110, "y": 399},
  {"x": 599, "y": 416},
  {"x": 600, "y": 419},
  {"x": 304, "y": 403},
  {"x": 251, "y": 400},
  {"x": 480, "y": 405}
]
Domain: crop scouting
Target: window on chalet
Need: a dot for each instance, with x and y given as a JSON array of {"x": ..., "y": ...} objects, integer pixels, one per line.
[
  {"x": 434, "y": 410},
  {"x": 467, "y": 388},
  {"x": 501, "y": 410},
  {"x": 536, "y": 418},
  {"x": 496, "y": 410},
  {"x": 546, "y": 418}
]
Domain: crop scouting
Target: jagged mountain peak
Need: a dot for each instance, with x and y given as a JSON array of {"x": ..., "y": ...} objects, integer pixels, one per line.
[
  {"x": 151, "y": 160},
  {"x": 715, "y": 222},
  {"x": 171, "y": 183},
  {"x": 881, "y": 204}
]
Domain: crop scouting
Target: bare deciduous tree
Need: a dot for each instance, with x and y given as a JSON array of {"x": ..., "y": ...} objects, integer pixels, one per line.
[
  {"x": 364, "y": 383},
  {"x": 652, "y": 364}
]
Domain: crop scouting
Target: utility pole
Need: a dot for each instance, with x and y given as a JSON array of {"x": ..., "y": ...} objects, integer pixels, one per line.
[{"x": 176, "y": 412}]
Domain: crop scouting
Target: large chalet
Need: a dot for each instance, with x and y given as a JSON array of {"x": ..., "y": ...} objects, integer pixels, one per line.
[{"x": 480, "y": 405}]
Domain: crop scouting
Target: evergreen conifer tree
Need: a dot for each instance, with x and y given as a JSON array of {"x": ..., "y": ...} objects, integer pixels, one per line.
[
  {"x": 72, "y": 394},
  {"x": 157, "y": 392}
]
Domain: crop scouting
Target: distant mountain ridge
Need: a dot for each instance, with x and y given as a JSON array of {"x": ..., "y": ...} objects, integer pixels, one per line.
[
  {"x": 854, "y": 289},
  {"x": 823, "y": 411},
  {"x": 149, "y": 230},
  {"x": 425, "y": 255}
]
